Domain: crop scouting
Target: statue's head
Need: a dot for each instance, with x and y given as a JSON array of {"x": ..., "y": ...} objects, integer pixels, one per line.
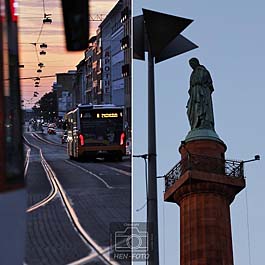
[{"x": 194, "y": 62}]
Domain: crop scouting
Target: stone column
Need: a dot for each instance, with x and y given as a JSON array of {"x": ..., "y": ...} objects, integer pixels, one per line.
[{"x": 204, "y": 193}]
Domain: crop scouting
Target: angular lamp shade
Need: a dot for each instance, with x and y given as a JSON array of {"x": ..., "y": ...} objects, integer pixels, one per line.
[
  {"x": 162, "y": 32},
  {"x": 138, "y": 38},
  {"x": 176, "y": 47},
  {"x": 162, "y": 28},
  {"x": 76, "y": 24}
]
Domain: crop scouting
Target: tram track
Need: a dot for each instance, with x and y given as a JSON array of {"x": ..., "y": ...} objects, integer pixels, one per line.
[
  {"x": 49, "y": 174},
  {"x": 26, "y": 163},
  {"x": 47, "y": 141},
  {"x": 57, "y": 190},
  {"x": 107, "y": 165}
]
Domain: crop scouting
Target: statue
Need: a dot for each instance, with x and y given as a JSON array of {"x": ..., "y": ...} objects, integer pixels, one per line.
[{"x": 199, "y": 106}]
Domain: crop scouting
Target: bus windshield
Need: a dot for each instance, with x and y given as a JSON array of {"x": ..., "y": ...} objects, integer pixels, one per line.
[{"x": 101, "y": 126}]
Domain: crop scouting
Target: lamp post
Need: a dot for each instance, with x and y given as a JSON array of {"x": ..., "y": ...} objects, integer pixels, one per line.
[
  {"x": 152, "y": 218},
  {"x": 159, "y": 35}
]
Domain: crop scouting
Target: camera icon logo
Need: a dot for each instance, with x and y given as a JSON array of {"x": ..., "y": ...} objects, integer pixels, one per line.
[{"x": 131, "y": 239}]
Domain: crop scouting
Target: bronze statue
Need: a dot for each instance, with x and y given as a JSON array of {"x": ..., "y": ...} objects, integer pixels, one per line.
[{"x": 199, "y": 106}]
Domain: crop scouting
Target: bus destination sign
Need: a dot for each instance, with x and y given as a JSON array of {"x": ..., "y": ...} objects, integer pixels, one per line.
[{"x": 109, "y": 115}]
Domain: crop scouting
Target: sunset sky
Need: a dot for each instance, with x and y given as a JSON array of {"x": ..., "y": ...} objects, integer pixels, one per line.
[{"x": 57, "y": 59}]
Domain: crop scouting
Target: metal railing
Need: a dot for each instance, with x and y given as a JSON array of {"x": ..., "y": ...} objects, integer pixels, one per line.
[{"x": 229, "y": 168}]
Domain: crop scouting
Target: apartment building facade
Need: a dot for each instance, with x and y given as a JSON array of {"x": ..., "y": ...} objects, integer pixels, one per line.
[{"x": 104, "y": 75}]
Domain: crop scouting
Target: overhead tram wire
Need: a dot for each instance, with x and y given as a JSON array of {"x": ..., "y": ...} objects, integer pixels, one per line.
[
  {"x": 43, "y": 5},
  {"x": 96, "y": 18},
  {"x": 51, "y": 66},
  {"x": 145, "y": 157},
  {"x": 36, "y": 51},
  {"x": 35, "y": 45},
  {"x": 92, "y": 18},
  {"x": 32, "y": 77},
  {"x": 40, "y": 33}
]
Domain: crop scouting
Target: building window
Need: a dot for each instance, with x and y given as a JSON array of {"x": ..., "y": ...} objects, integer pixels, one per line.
[
  {"x": 124, "y": 14},
  {"x": 125, "y": 70},
  {"x": 125, "y": 42}
]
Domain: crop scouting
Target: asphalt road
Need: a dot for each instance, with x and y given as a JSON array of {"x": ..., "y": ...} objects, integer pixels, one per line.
[{"x": 99, "y": 193}]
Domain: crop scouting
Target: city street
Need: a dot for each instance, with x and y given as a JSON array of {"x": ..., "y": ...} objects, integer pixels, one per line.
[{"x": 71, "y": 204}]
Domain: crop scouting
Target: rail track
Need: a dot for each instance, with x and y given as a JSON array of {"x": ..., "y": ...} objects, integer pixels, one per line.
[
  {"x": 107, "y": 165},
  {"x": 47, "y": 141},
  {"x": 57, "y": 190}
]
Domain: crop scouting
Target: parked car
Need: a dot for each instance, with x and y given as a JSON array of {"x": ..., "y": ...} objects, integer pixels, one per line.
[{"x": 51, "y": 130}]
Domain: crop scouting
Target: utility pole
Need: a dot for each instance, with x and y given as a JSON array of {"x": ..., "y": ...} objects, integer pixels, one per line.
[
  {"x": 152, "y": 223},
  {"x": 159, "y": 35}
]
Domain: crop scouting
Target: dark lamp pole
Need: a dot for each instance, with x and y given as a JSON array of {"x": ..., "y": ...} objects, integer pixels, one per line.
[
  {"x": 152, "y": 218},
  {"x": 159, "y": 35}
]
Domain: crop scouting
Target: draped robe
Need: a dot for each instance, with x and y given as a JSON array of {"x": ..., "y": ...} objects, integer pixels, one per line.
[{"x": 199, "y": 106}]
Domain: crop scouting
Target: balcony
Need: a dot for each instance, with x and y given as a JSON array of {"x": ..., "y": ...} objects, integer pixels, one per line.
[{"x": 229, "y": 168}]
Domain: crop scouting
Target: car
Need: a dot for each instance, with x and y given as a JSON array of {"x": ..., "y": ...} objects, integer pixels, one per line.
[
  {"x": 51, "y": 130},
  {"x": 53, "y": 125}
]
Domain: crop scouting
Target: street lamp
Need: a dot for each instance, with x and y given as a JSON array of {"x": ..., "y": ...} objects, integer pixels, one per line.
[
  {"x": 256, "y": 157},
  {"x": 159, "y": 35},
  {"x": 47, "y": 19}
]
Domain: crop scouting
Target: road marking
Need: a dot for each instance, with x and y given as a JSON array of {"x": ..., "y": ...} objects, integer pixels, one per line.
[
  {"x": 91, "y": 173},
  {"x": 127, "y": 165},
  {"x": 119, "y": 170}
]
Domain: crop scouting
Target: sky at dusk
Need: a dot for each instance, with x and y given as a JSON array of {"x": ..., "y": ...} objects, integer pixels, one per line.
[
  {"x": 231, "y": 40},
  {"x": 57, "y": 59}
]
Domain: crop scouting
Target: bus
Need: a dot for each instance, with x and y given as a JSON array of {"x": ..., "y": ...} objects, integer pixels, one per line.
[{"x": 96, "y": 131}]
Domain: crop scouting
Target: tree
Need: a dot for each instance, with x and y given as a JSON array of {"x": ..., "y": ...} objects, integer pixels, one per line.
[{"x": 46, "y": 107}]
